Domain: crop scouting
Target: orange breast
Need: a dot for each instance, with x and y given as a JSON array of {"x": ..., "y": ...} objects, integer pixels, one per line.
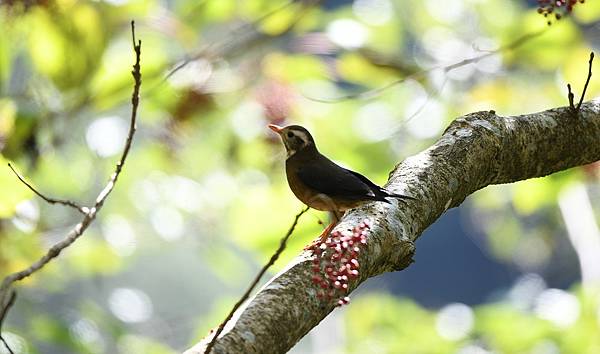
[{"x": 307, "y": 195}]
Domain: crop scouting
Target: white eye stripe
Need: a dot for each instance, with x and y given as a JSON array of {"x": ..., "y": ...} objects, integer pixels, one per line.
[{"x": 302, "y": 136}]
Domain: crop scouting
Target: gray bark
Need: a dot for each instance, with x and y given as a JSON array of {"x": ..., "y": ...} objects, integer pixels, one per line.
[{"x": 475, "y": 151}]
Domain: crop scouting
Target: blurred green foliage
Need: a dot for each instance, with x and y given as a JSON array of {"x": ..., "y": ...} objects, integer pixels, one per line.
[
  {"x": 380, "y": 323},
  {"x": 203, "y": 198}
]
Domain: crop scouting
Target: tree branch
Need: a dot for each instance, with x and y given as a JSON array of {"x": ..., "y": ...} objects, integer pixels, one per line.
[
  {"x": 83, "y": 210},
  {"x": 89, "y": 213},
  {"x": 475, "y": 151}
]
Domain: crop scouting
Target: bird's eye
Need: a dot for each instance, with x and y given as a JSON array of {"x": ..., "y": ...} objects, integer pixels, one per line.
[{"x": 290, "y": 134}]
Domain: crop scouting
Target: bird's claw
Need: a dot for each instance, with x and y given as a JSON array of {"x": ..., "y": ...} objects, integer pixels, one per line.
[{"x": 317, "y": 243}]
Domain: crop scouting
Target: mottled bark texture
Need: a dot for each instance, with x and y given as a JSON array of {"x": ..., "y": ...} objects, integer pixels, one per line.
[{"x": 476, "y": 150}]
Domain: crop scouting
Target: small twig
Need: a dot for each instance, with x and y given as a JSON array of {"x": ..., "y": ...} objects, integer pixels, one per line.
[
  {"x": 587, "y": 81},
  {"x": 83, "y": 210},
  {"x": 244, "y": 297},
  {"x": 135, "y": 99},
  {"x": 90, "y": 215},
  {"x": 571, "y": 96},
  {"x": 3, "y": 311}
]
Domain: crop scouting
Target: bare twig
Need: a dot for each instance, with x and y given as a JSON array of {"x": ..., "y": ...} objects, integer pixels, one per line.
[
  {"x": 244, "y": 297},
  {"x": 417, "y": 75},
  {"x": 90, "y": 215},
  {"x": 135, "y": 99},
  {"x": 570, "y": 94},
  {"x": 82, "y": 209},
  {"x": 587, "y": 81}
]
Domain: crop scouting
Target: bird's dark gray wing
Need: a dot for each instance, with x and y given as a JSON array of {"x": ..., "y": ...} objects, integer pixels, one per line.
[
  {"x": 379, "y": 192},
  {"x": 375, "y": 188},
  {"x": 324, "y": 176}
]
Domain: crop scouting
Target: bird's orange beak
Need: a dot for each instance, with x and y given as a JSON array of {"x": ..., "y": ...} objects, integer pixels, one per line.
[{"x": 277, "y": 129}]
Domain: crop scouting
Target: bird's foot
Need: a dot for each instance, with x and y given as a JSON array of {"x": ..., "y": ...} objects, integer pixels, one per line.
[{"x": 317, "y": 243}]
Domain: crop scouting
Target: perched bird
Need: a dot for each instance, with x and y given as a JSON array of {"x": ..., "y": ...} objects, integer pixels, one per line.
[{"x": 320, "y": 183}]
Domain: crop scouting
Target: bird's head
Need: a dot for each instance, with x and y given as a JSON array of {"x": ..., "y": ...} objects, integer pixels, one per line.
[{"x": 294, "y": 137}]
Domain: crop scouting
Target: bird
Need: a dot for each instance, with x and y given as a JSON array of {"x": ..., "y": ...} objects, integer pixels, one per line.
[{"x": 322, "y": 184}]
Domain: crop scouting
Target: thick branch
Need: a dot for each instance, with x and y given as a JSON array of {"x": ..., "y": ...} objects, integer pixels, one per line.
[{"x": 475, "y": 151}]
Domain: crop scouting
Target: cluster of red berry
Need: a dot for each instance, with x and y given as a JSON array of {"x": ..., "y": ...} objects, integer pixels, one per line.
[
  {"x": 336, "y": 262},
  {"x": 557, "y": 7}
]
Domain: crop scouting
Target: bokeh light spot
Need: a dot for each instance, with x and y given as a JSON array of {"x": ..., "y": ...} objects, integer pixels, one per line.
[
  {"x": 454, "y": 321},
  {"x": 525, "y": 290},
  {"x": 347, "y": 33},
  {"x": 27, "y": 214},
  {"x": 428, "y": 122},
  {"x": 119, "y": 234},
  {"x": 87, "y": 332},
  {"x": 374, "y": 122},
  {"x": 558, "y": 307},
  {"x": 130, "y": 305},
  {"x": 106, "y": 136},
  {"x": 167, "y": 222}
]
